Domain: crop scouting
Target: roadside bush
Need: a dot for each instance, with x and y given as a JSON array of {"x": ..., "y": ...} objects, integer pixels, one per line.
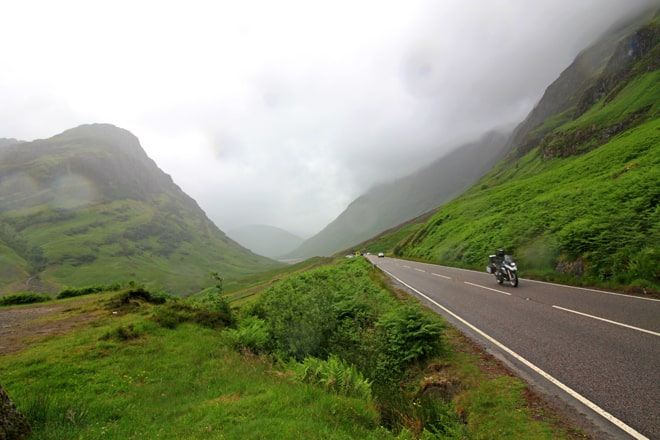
[
  {"x": 300, "y": 317},
  {"x": 406, "y": 335},
  {"x": 339, "y": 310},
  {"x": 23, "y": 298}
]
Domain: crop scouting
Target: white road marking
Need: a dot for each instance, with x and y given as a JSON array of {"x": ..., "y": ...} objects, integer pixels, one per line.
[
  {"x": 420, "y": 270},
  {"x": 487, "y": 288},
  {"x": 597, "y": 409},
  {"x": 441, "y": 276},
  {"x": 608, "y": 321},
  {"x": 407, "y": 267},
  {"x": 594, "y": 290}
]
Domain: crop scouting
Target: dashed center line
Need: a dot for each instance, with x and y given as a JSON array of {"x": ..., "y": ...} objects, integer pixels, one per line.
[
  {"x": 441, "y": 276},
  {"x": 588, "y": 403},
  {"x": 607, "y": 320},
  {"x": 420, "y": 270},
  {"x": 487, "y": 288}
]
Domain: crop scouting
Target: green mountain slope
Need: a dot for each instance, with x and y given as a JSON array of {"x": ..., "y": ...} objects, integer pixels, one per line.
[
  {"x": 388, "y": 205},
  {"x": 89, "y": 206},
  {"x": 580, "y": 201}
]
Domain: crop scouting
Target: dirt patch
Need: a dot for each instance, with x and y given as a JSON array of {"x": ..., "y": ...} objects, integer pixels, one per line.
[{"x": 20, "y": 326}]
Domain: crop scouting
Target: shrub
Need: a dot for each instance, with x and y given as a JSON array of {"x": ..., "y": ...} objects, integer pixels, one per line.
[
  {"x": 215, "y": 302},
  {"x": 299, "y": 316},
  {"x": 23, "y": 298},
  {"x": 122, "y": 333},
  {"x": 405, "y": 335},
  {"x": 251, "y": 334},
  {"x": 176, "y": 312}
]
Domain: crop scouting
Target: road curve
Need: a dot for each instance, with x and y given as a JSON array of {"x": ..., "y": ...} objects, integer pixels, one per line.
[{"x": 597, "y": 351}]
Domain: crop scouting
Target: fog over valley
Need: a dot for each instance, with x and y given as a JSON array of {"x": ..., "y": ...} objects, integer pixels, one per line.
[{"x": 282, "y": 113}]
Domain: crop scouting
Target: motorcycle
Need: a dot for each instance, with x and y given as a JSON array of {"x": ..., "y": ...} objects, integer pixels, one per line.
[{"x": 505, "y": 270}]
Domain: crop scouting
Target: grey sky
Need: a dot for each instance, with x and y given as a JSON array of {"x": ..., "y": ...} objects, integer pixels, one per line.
[{"x": 282, "y": 112}]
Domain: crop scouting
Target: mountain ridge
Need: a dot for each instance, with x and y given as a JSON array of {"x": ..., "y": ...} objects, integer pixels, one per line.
[
  {"x": 559, "y": 103},
  {"x": 88, "y": 205},
  {"x": 577, "y": 201}
]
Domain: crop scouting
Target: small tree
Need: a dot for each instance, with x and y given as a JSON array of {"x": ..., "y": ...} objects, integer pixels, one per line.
[
  {"x": 219, "y": 303},
  {"x": 218, "y": 282}
]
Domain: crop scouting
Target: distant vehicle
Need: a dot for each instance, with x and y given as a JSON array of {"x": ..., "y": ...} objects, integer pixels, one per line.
[{"x": 381, "y": 255}]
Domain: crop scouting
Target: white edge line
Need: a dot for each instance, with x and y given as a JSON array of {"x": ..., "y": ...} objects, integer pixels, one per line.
[
  {"x": 607, "y": 320},
  {"x": 534, "y": 368},
  {"x": 487, "y": 288},
  {"x": 441, "y": 276}
]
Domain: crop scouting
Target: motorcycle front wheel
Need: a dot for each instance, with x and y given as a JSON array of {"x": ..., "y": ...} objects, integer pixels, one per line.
[{"x": 513, "y": 279}]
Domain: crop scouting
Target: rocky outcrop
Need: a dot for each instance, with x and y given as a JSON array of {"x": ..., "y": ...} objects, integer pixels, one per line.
[
  {"x": 13, "y": 425},
  {"x": 616, "y": 75}
]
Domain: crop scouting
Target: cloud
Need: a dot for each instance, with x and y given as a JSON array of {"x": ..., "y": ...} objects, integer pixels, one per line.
[{"x": 283, "y": 112}]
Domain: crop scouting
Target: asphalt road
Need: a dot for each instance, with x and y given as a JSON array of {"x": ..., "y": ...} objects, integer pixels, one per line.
[{"x": 597, "y": 352}]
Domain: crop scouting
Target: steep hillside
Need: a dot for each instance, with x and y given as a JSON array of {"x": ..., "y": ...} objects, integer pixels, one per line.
[
  {"x": 89, "y": 206},
  {"x": 582, "y": 200},
  {"x": 391, "y": 204},
  {"x": 577, "y": 88}
]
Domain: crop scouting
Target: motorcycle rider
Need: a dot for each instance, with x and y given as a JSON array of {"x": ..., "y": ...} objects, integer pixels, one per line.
[{"x": 498, "y": 260}]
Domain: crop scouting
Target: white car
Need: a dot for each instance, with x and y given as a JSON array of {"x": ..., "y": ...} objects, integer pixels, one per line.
[{"x": 381, "y": 255}]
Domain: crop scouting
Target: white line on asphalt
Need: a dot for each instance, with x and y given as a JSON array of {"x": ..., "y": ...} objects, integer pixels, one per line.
[
  {"x": 608, "y": 321},
  {"x": 594, "y": 290},
  {"x": 441, "y": 276},
  {"x": 487, "y": 288},
  {"x": 600, "y": 411},
  {"x": 407, "y": 267},
  {"x": 420, "y": 270}
]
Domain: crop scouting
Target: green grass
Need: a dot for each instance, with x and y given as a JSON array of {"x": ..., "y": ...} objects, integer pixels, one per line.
[
  {"x": 161, "y": 383},
  {"x": 130, "y": 240},
  {"x": 127, "y": 376},
  {"x": 591, "y": 218}
]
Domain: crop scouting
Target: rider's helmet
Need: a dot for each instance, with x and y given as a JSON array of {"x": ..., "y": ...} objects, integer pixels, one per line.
[{"x": 500, "y": 252}]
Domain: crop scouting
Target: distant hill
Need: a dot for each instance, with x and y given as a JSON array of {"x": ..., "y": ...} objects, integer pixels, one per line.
[
  {"x": 89, "y": 206},
  {"x": 578, "y": 196},
  {"x": 8, "y": 141},
  {"x": 394, "y": 203},
  {"x": 265, "y": 240}
]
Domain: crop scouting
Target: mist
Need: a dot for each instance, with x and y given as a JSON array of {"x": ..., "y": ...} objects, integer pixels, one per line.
[{"x": 282, "y": 113}]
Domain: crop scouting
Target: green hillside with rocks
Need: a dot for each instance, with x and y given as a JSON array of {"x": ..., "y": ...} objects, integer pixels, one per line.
[
  {"x": 577, "y": 199},
  {"x": 88, "y": 206}
]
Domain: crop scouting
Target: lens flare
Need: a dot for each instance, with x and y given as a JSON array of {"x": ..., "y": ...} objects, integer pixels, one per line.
[{"x": 73, "y": 191}]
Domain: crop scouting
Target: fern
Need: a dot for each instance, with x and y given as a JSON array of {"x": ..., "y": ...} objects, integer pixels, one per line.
[{"x": 334, "y": 375}]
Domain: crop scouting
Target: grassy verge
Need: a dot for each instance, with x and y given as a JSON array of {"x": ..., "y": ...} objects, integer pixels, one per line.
[{"x": 145, "y": 370}]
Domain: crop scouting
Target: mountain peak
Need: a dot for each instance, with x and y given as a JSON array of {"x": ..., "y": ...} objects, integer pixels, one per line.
[{"x": 107, "y": 135}]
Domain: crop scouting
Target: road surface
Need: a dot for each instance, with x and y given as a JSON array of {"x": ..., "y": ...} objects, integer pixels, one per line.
[{"x": 597, "y": 351}]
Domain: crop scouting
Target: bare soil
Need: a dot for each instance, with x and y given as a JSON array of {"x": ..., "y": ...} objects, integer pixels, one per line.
[{"x": 19, "y": 326}]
